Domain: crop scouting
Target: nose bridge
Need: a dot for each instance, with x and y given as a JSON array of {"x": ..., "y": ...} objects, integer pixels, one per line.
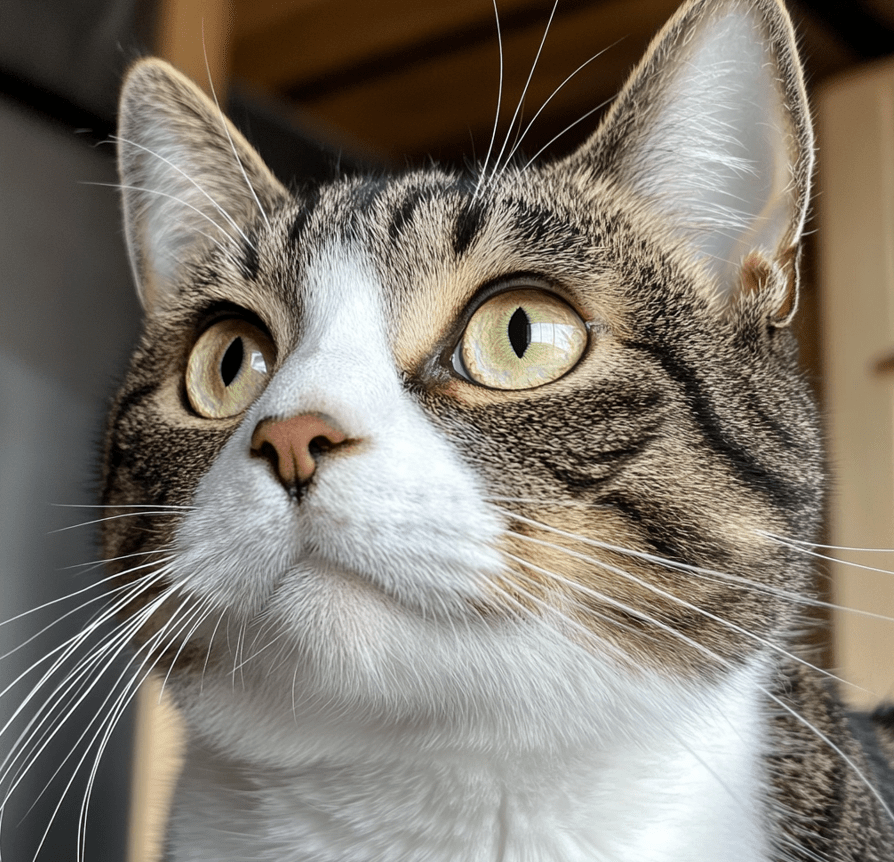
[
  {"x": 338, "y": 387},
  {"x": 342, "y": 366}
]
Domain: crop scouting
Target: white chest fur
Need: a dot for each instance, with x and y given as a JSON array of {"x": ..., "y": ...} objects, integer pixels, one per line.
[
  {"x": 378, "y": 733},
  {"x": 685, "y": 791}
]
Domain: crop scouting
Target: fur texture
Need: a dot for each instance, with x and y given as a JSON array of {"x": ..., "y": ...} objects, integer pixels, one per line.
[{"x": 558, "y": 621}]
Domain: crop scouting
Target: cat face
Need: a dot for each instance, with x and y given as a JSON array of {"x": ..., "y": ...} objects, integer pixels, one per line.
[{"x": 452, "y": 448}]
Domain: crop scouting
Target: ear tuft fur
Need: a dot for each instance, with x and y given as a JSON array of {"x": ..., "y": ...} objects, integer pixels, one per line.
[
  {"x": 712, "y": 131},
  {"x": 189, "y": 179}
]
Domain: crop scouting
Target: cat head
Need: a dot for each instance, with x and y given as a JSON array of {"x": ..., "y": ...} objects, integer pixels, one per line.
[{"x": 462, "y": 447}]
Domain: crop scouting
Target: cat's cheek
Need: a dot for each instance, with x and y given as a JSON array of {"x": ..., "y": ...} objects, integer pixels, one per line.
[
  {"x": 399, "y": 514},
  {"x": 236, "y": 541}
]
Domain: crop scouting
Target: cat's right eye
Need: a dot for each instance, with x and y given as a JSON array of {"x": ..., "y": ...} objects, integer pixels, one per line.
[
  {"x": 520, "y": 339},
  {"x": 228, "y": 368}
]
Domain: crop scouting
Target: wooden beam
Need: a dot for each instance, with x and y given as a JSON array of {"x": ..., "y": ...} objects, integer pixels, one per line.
[
  {"x": 253, "y": 17},
  {"x": 322, "y": 39},
  {"x": 415, "y": 110},
  {"x": 856, "y": 245},
  {"x": 158, "y": 754}
]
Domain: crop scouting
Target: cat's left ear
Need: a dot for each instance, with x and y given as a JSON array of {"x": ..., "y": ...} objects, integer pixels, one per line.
[
  {"x": 713, "y": 130},
  {"x": 189, "y": 180}
]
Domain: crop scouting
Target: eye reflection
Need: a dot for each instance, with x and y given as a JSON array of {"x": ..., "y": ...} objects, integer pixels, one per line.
[{"x": 521, "y": 339}]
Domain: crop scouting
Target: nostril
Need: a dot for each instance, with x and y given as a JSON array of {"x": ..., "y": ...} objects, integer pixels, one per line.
[
  {"x": 293, "y": 446},
  {"x": 268, "y": 451},
  {"x": 320, "y": 445}
]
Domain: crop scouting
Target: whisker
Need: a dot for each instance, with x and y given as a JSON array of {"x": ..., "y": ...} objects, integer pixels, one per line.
[
  {"x": 493, "y": 135},
  {"x": 803, "y": 550},
  {"x": 106, "y": 593},
  {"x": 69, "y": 694},
  {"x": 564, "y": 131},
  {"x": 74, "y": 642},
  {"x": 552, "y": 95},
  {"x": 228, "y": 253},
  {"x": 521, "y": 99},
  {"x": 199, "y": 612},
  {"x": 226, "y": 128},
  {"x": 826, "y": 547},
  {"x": 589, "y": 611},
  {"x": 102, "y": 582},
  {"x": 188, "y": 178},
  {"x": 120, "y": 506},
  {"x": 688, "y": 605},
  {"x": 104, "y": 520},
  {"x": 105, "y": 720},
  {"x": 580, "y": 627},
  {"x": 535, "y": 501},
  {"x": 208, "y": 652},
  {"x": 606, "y": 599},
  {"x": 704, "y": 572},
  {"x": 716, "y": 657},
  {"x": 95, "y": 564},
  {"x": 34, "y": 740}
]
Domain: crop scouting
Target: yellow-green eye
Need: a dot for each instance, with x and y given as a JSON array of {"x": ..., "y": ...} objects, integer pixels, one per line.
[
  {"x": 521, "y": 339},
  {"x": 228, "y": 368}
]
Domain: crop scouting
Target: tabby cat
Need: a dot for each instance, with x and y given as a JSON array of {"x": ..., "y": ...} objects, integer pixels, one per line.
[{"x": 464, "y": 513}]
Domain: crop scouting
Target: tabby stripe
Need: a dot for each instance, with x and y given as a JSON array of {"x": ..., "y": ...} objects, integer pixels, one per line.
[
  {"x": 133, "y": 398},
  {"x": 403, "y": 214},
  {"x": 308, "y": 205},
  {"x": 583, "y": 482},
  {"x": 468, "y": 224},
  {"x": 661, "y": 543},
  {"x": 250, "y": 260},
  {"x": 541, "y": 226},
  {"x": 784, "y": 495},
  {"x": 368, "y": 192}
]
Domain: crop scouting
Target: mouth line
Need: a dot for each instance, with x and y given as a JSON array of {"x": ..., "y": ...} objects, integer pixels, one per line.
[{"x": 423, "y": 602}]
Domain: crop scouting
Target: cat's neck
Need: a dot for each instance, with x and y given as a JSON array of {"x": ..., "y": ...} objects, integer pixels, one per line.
[{"x": 700, "y": 779}]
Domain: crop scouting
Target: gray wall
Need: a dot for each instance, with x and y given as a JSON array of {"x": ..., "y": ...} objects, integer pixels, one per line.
[{"x": 67, "y": 317}]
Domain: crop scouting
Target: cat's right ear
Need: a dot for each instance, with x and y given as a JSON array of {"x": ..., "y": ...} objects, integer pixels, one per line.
[
  {"x": 712, "y": 131},
  {"x": 189, "y": 179}
]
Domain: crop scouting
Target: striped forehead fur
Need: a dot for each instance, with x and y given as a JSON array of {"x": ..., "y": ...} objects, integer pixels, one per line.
[
  {"x": 569, "y": 572},
  {"x": 657, "y": 337}
]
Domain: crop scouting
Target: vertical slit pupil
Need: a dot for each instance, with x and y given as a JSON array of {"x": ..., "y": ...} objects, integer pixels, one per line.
[
  {"x": 232, "y": 361},
  {"x": 519, "y": 330}
]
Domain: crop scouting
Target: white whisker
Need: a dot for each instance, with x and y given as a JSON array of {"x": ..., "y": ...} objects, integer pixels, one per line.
[
  {"x": 493, "y": 135},
  {"x": 551, "y": 96},
  {"x": 226, "y": 128},
  {"x": 121, "y": 506},
  {"x": 709, "y": 653},
  {"x": 104, "y": 520},
  {"x": 499, "y": 160},
  {"x": 716, "y": 574},
  {"x": 556, "y": 137},
  {"x": 228, "y": 253},
  {"x": 801, "y": 548},
  {"x": 233, "y": 223}
]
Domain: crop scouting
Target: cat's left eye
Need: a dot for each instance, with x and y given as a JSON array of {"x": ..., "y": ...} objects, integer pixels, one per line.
[
  {"x": 228, "y": 368},
  {"x": 520, "y": 339}
]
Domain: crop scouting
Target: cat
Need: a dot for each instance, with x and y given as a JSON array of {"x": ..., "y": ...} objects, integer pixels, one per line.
[{"x": 464, "y": 513}]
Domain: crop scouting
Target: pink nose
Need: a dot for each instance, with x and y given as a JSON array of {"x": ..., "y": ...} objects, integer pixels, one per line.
[{"x": 292, "y": 446}]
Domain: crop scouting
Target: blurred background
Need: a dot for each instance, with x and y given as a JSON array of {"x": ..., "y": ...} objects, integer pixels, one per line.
[{"x": 322, "y": 86}]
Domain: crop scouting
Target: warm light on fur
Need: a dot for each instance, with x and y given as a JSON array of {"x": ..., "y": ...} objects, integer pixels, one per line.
[{"x": 546, "y": 620}]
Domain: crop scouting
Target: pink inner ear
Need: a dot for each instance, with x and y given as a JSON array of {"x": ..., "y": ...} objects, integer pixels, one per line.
[{"x": 713, "y": 131}]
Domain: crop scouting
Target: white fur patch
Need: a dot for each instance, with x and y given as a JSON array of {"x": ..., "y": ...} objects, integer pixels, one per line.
[
  {"x": 685, "y": 789},
  {"x": 358, "y": 709}
]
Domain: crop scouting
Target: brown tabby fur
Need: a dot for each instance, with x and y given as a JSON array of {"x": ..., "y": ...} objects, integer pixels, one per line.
[{"x": 684, "y": 435}]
